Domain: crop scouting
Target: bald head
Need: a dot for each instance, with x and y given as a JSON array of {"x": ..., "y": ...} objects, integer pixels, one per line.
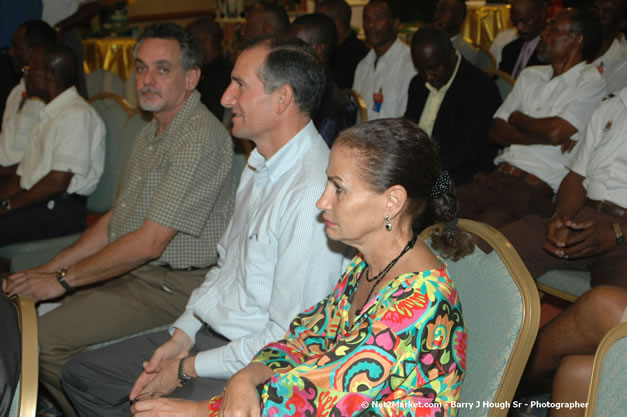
[{"x": 62, "y": 64}]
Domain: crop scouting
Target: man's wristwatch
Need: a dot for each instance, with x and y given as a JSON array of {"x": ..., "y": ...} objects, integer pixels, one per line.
[
  {"x": 5, "y": 205},
  {"x": 183, "y": 377},
  {"x": 61, "y": 273},
  {"x": 620, "y": 239}
]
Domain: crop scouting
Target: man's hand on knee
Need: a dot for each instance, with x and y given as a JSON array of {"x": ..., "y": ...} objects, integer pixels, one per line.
[{"x": 164, "y": 357}]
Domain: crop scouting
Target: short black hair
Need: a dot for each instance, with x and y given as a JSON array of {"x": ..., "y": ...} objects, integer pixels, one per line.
[
  {"x": 38, "y": 33},
  {"x": 339, "y": 9},
  {"x": 393, "y": 11},
  {"x": 278, "y": 16},
  {"x": 209, "y": 26},
  {"x": 191, "y": 52},
  {"x": 323, "y": 29}
]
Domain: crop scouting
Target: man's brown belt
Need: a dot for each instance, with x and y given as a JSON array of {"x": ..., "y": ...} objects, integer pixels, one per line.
[
  {"x": 607, "y": 207},
  {"x": 508, "y": 169}
]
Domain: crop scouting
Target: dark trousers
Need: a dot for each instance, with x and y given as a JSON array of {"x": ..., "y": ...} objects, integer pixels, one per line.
[
  {"x": 64, "y": 215},
  {"x": 528, "y": 236},
  {"x": 98, "y": 382},
  {"x": 498, "y": 199}
]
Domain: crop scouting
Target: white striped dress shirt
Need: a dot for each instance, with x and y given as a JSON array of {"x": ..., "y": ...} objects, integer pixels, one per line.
[{"x": 275, "y": 259}]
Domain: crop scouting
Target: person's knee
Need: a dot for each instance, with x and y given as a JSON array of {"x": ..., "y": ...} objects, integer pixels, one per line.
[
  {"x": 602, "y": 308},
  {"x": 575, "y": 370},
  {"x": 73, "y": 374}
]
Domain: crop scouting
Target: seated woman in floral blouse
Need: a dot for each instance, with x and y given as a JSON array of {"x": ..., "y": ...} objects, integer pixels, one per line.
[{"x": 390, "y": 339}]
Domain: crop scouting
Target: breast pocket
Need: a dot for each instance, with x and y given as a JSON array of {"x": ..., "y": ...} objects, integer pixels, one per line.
[{"x": 259, "y": 261}]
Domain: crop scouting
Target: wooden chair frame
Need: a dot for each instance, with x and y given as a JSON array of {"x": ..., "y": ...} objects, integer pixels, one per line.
[
  {"x": 120, "y": 100},
  {"x": 363, "y": 110},
  {"x": 29, "y": 373},
  {"x": 531, "y": 308}
]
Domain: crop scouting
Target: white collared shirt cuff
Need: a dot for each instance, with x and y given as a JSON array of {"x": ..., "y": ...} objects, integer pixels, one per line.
[
  {"x": 211, "y": 364},
  {"x": 187, "y": 323}
]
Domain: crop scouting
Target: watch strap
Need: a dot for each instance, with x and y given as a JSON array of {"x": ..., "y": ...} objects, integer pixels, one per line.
[
  {"x": 61, "y": 273},
  {"x": 620, "y": 238},
  {"x": 183, "y": 377}
]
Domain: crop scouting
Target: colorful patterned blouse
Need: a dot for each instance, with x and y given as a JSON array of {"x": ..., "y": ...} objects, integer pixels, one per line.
[{"x": 405, "y": 354}]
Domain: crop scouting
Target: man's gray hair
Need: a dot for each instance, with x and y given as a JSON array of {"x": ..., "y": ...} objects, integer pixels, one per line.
[
  {"x": 292, "y": 61},
  {"x": 191, "y": 52}
]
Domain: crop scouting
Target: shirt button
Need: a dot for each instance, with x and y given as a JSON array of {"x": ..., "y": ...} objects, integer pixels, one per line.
[
  {"x": 150, "y": 148},
  {"x": 123, "y": 205}
]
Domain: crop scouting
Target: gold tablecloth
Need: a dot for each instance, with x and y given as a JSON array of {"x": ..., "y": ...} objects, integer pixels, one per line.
[
  {"x": 111, "y": 54},
  {"x": 484, "y": 22}
]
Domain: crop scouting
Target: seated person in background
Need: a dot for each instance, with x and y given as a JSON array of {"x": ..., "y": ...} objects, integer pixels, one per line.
[
  {"x": 157, "y": 242},
  {"x": 350, "y": 50},
  {"x": 449, "y": 16},
  {"x": 500, "y": 40},
  {"x": 529, "y": 17},
  {"x": 612, "y": 59},
  {"x": 47, "y": 195},
  {"x": 335, "y": 112},
  {"x": 453, "y": 101},
  {"x": 382, "y": 77},
  {"x": 10, "y": 354},
  {"x": 539, "y": 122},
  {"x": 378, "y": 336},
  {"x": 274, "y": 240},
  {"x": 567, "y": 344},
  {"x": 21, "y": 112},
  {"x": 590, "y": 218},
  {"x": 265, "y": 19},
  {"x": 215, "y": 73}
]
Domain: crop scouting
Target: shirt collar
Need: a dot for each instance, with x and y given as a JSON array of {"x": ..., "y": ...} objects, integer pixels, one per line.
[
  {"x": 180, "y": 120},
  {"x": 446, "y": 86},
  {"x": 372, "y": 56},
  {"x": 285, "y": 158},
  {"x": 570, "y": 77},
  {"x": 60, "y": 101}
]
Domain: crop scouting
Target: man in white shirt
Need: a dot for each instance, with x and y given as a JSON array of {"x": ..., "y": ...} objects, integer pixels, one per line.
[
  {"x": 383, "y": 76},
  {"x": 21, "y": 112},
  {"x": 539, "y": 123},
  {"x": 587, "y": 228},
  {"x": 275, "y": 259},
  {"x": 612, "y": 59},
  {"x": 47, "y": 195},
  {"x": 449, "y": 16}
]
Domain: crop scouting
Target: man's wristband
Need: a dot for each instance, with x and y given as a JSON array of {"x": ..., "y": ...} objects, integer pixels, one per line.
[
  {"x": 183, "y": 377},
  {"x": 61, "y": 273},
  {"x": 620, "y": 239}
]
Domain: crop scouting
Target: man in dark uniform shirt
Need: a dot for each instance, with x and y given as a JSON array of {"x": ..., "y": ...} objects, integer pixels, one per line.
[
  {"x": 350, "y": 50},
  {"x": 529, "y": 17}
]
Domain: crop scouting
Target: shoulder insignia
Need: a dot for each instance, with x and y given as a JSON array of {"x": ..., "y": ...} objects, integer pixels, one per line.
[{"x": 608, "y": 126}]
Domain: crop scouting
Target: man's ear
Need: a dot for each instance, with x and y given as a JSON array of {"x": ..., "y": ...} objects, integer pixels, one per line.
[
  {"x": 192, "y": 76},
  {"x": 283, "y": 97}
]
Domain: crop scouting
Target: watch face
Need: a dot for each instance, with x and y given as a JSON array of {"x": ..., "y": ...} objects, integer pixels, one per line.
[{"x": 620, "y": 240}]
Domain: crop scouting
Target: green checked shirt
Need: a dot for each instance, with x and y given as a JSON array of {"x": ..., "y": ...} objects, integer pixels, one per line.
[{"x": 180, "y": 179}]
